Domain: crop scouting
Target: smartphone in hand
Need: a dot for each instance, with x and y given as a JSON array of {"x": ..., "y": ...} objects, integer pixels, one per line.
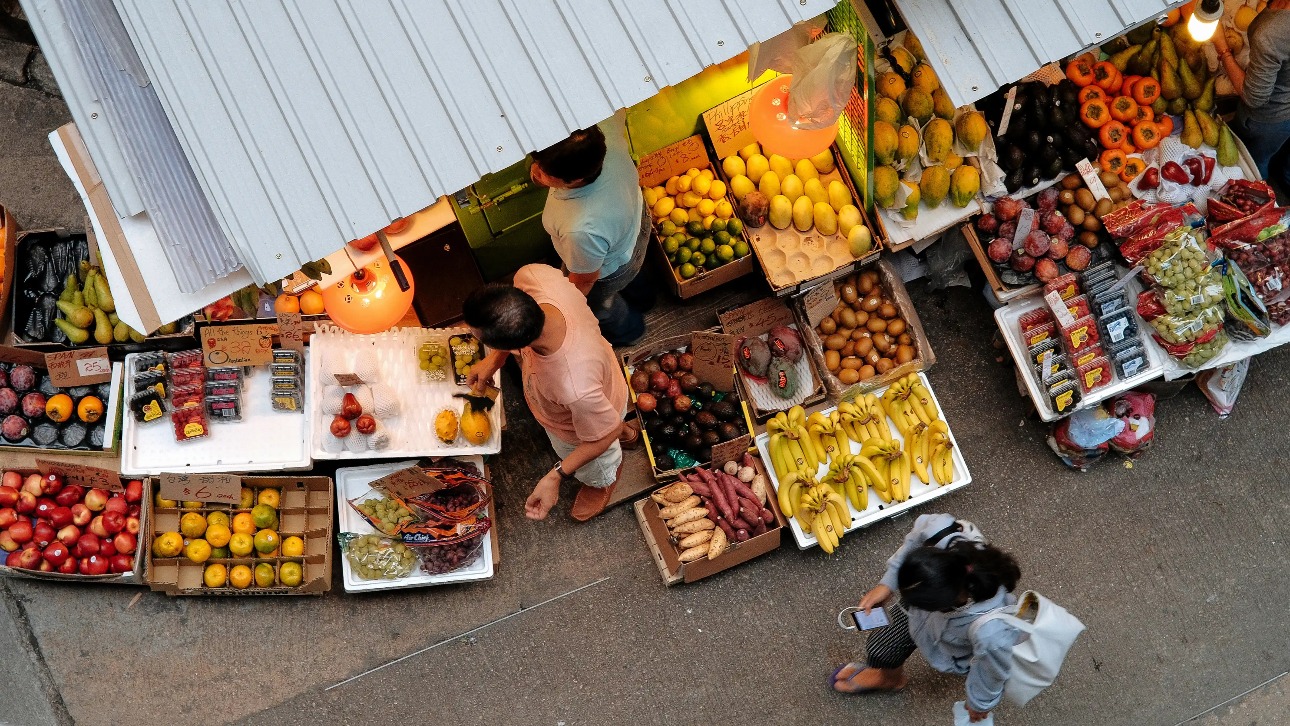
[{"x": 876, "y": 618}]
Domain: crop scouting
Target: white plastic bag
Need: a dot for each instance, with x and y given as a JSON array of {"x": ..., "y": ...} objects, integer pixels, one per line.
[
  {"x": 824, "y": 76},
  {"x": 777, "y": 53},
  {"x": 1223, "y": 384}
]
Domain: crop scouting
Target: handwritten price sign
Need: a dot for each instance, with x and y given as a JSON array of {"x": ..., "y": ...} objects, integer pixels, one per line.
[
  {"x": 291, "y": 331},
  {"x": 222, "y": 488},
  {"x": 238, "y": 345},
  {"x": 80, "y": 367},
  {"x": 728, "y": 124},
  {"x": 90, "y": 477}
]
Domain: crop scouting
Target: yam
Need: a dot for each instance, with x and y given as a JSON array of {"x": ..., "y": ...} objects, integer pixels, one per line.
[
  {"x": 678, "y": 492},
  {"x": 696, "y": 539},
  {"x": 697, "y": 525},
  {"x": 758, "y": 485},
  {"x": 670, "y": 511},
  {"x": 695, "y": 553},
  {"x": 688, "y": 515},
  {"x": 717, "y": 544}
]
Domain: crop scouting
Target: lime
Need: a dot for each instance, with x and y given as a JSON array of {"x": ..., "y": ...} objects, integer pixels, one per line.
[
  {"x": 707, "y": 246},
  {"x": 698, "y": 259},
  {"x": 687, "y": 271},
  {"x": 694, "y": 228},
  {"x": 693, "y": 243},
  {"x": 734, "y": 227},
  {"x": 670, "y": 246},
  {"x": 719, "y": 225},
  {"x": 741, "y": 249},
  {"x": 725, "y": 253},
  {"x": 723, "y": 238},
  {"x": 667, "y": 228},
  {"x": 683, "y": 255}
]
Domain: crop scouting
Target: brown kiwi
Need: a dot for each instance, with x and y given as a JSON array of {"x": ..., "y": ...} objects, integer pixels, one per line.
[
  {"x": 1103, "y": 207},
  {"x": 848, "y": 349},
  {"x": 1091, "y": 223},
  {"x": 887, "y": 311},
  {"x": 848, "y": 318},
  {"x": 871, "y": 303},
  {"x": 849, "y": 294},
  {"x": 848, "y": 376},
  {"x": 864, "y": 286},
  {"x": 1066, "y": 197},
  {"x": 861, "y": 318},
  {"x": 1075, "y": 215},
  {"x": 852, "y": 362},
  {"x": 1109, "y": 178},
  {"x": 863, "y": 346},
  {"x": 905, "y": 339},
  {"x": 828, "y": 326},
  {"x": 867, "y": 372},
  {"x": 834, "y": 342},
  {"x": 1084, "y": 198},
  {"x": 883, "y": 365},
  {"x": 1071, "y": 181},
  {"x": 896, "y": 327},
  {"x": 876, "y": 325},
  {"x": 904, "y": 353},
  {"x": 832, "y": 360},
  {"x": 872, "y": 357},
  {"x": 1088, "y": 239}
]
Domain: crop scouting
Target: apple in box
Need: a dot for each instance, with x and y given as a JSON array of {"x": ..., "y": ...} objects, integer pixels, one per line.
[
  {"x": 113, "y": 522},
  {"x": 69, "y": 534},
  {"x": 33, "y": 484},
  {"x": 11, "y": 479},
  {"x": 116, "y": 504},
  {"x": 21, "y": 531},
  {"x": 8, "y": 495},
  {"x": 134, "y": 491},
  {"x": 69, "y": 495},
  {"x": 121, "y": 564},
  {"x": 44, "y": 506},
  {"x": 95, "y": 565},
  {"x": 96, "y": 499},
  {"x": 26, "y": 502},
  {"x": 51, "y": 484},
  {"x": 132, "y": 525},
  {"x": 7, "y": 543},
  {"x": 43, "y": 533},
  {"x": 28, "y": 559},
  {"x": 8, "y": 516},
  {"x": 56, "y": 553},
  {"x": 69, "y": 567},
  {"x": 81, "y": 514},
  {"x": 87, "y": 545},
  {"x": 60, "y": 516},
  {"x": 125, "y": 543}
]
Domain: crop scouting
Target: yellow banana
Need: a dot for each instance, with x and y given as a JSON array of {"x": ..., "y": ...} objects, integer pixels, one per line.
[
  {"x": 924, "y": 398},
  {"x": 882, "y": 485},
  {"x": 802, "y": 438},
  {"x": 918, "y": 454},
  {"x": 783, "y": 494},
  {"x": 796, "y": 453},
  {"x": 778, "y": 456},
  {"x": 902, "y": 472}
]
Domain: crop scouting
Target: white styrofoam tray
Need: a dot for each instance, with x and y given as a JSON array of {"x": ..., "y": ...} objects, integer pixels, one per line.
[
  {"x": 412, "y": 430},
  {"x": 1007, "y": 319},
  {"x": 764, "y": 399},
  {"x": 353, "y": 482},
  {"x": 919, "y": 493},
  {"x": 264, "y": 440}
]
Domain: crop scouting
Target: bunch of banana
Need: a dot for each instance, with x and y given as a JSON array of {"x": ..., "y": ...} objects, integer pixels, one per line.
[
  {"x": 827, "y": 435},
  {"x": 790, "y": 445},
  {"x": 892, "y": 465},
  {"x": 910, "y": 405},
  {"x": 940, "y": 452},
  {"x": 864, "y": 419},
  {"x": 822, "y": 512},
  {"x": 852, "y": 475}
]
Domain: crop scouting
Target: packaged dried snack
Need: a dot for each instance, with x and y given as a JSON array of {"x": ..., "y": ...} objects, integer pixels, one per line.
[
  {"x": 149, "y": 362},
  {"x": 288, "y": 401}
]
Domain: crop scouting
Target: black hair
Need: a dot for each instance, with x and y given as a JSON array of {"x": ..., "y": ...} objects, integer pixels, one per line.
[
  {"x": 576, "y": 160},
  {"x": 506, "y": 317},
  {"x": 937, "y": 579}
]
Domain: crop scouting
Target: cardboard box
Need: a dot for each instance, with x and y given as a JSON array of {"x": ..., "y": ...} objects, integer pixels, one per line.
[
  {"x": 134, "y": 577},
  {"x": 655, "y": 169},
  {"x": 667, "y": 556},
  {"x": 111, "y": 419},
  {"x": 715, "y": 368},
  {"x": 8, "y": 244},
  {"x": 1002, "y": 291},
  {"x": 754, "y": 320},
  {"x": 890, "y": 281},
  {"x": 305, "y": 510}
]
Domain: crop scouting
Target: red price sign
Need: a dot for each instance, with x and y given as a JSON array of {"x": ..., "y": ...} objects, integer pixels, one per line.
[
  {"x": 80, "y": 367},
  {"x": 238, "y": 345},
  {"x": 222, "y": 488}
]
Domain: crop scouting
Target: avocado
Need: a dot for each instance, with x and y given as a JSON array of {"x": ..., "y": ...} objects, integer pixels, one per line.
[
  {"x": 1032, "y": 141},
  {"x": 1057, "y": 116},
  {"x": 728, "y": 431},
  {"x": 723, "y": 410},
  {"x": 1049, "y": 153},
  {"x": 1052, "y": 167},
  {"x": 1032, "y": 176},
  {"x": 1070, "y": 158},
  {"x": 1013, "y": 180},
  {"x": 664, "y": 462}
]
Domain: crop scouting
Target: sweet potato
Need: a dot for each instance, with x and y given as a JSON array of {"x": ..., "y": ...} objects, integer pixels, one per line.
[
  {"x": 696, "y": 539},
  {"x": 695, "y": 553},
  {"x": 748, "y": 460},
  {"x": 691, "y": 502},
  {"x": 741, "y": 535},
  {"x": 697, "y": 525},
  {"x": 717, "y": 544},
  {"x": 725, "y": 527},
  {"x": 658, "y": 497},
  {"x": 760, "y": 488},
  {"x": 700, "y": 488},
  {"x": 678, "y": 492},
  {"x": 726, "y": 507},
  {"x": 759, "y": 528},
  {"x": 744, "y": 490},
  {"x": 688, "y": 515}
]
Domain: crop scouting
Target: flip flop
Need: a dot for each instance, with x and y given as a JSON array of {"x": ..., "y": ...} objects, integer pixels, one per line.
[{"x": 833, "y": 681}]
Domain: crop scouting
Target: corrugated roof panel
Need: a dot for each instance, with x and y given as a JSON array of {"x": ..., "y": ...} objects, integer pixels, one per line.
[
  {"x": 976, "y": 47},
  {"x": 311, "y": 123}
]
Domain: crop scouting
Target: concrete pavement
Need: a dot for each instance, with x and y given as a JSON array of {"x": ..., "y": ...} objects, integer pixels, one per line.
[{"x": 1176, "y": 565}]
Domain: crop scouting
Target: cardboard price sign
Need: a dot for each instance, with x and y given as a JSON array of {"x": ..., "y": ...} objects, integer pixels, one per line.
[
  {"x": 238, "y": 345},
  {"x": 291, "y": 331},
  {"x": 90, "y": 477},
  {"x": 732, "y": 450},
  {"x": 820, "y": 302},
  {"x": 348, "y": 379},
  {"x": 655, "y": 168},
  {"x": 754, "y": 319},
  {"x": 713, "y": 358},
  {"x": 408, "y": 483},
  {"x": 222, "y": 488},
  {"x": 79, "y": 367},
  {"x": 728, "y": 126}
]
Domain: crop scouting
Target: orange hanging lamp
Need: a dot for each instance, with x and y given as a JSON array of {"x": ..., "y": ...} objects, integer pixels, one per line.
[
  {"x": 373, "y": 298},
  {"x": 779, "y": 133}
]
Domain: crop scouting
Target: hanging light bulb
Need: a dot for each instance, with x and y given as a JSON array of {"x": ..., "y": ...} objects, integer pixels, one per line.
[
  {"x": 770, "y": 123},
  {"x": 1204, "y": 20}
]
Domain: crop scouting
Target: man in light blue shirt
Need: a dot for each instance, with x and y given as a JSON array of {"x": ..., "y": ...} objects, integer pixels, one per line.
[{"x": 596, "y": 216}]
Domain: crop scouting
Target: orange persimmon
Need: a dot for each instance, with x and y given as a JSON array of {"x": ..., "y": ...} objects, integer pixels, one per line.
[
  {"x": 1124, "y": 109},
  {"x": 1112, "y": 134},
  {"x": 1112, "y": 160},
  {"x": 1165, "y": 124},
  {"x": 1144, "y": 114},
  {"x": 1146, "y": 91},
  {"x": 1146, "y": 135},
  {"x": 1104, "y": 74},
  {"x": 1080, "y": 71},
  {"x": 1094, "y": 113},
  {"x": 1133, "y": 166},
  {"x": 1089, "y": 92}
]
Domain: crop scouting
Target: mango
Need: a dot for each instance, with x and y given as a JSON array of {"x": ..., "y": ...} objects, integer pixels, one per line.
[
  {"x": 803, "y": 214},
  {"x": 757, "y": 166},
  {"x": 917, "y": 103},
  {"x": 741, "y": 185},
  {"x": 907, "y": 143},
  {"x": 781, "y": 212},
  {"x": 971, "y": 129},
  {"x": 848, "y": 217},
  {"x": 839, "y": 195},
  {"x": 750, "y": 151},
  {"x": 953, "y": 161},
  {"x": 791, "y": 187},
  {"x": 815, "y": 190},
  {"x": 938, "y": 140},
  {"x": 823, "y": 161},
  {"x": 914, "y": 45},
  {"x": 886, "y": 182},
  {"x": 769, "y": 184},
  {"x": 780, "y": 165},
  {"x": 826, "y": 220},
  {"x": 733, "y": 166},
  {"x": 904, "y": 59},
  {"x": 925, "y": 78},
  {"x": 885, "y": 142},
  {"x": 805, "y": 170},
  {"x": 889, "y": 111},
  {"x": 934, "y": 185},
  {"x": 860, "y": 241},
  {"x": 965, "y": 183}
]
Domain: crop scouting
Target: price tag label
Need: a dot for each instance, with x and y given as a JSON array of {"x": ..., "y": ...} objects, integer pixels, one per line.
[
  {"x": 222, "y": 488},
  {"x": 1008, "y": 103},
  {"x": 90, "y": 477},
  {"x": 820, "y": 302},
  {"x": 408, "y": 483},
  {"x": 732, "y": 450},
  {"x": 755, "y": 318},
  {"x": 348, "y": 379},
  {"x": 1091, "y": 180},
  {"x": 292, "y": 330},
  {"x": 79, "y": 367},
  {"x": 1025, "y": 221},
  {"x": 728, "y": 126},
  {"x": 238, "y": 345},
  {"x": 713, "y": 359},
  {"x": 1063, "y": 313}
]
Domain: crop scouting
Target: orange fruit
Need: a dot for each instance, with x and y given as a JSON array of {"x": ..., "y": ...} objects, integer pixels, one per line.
[
  {"x": 311, "y": 302},
  {"x": 286, "y": 304},
  {"x": 218, "y": 535},
  {"x": 168, "y": 544},
  {"x": 215, "y": 575},
  {"x": 59, "y": 407},
  {"x": 266, "y": 541},
  {"x": 240, "y": 577},
  {"x": 241, "y": 544},
  {"x": 198, "y": 550},
  {"x": 269, "y": 497},
  {"x": 89, "y": 410},
  {"x": 192, "y": 525},
  {"x": 242, "y": 523}
]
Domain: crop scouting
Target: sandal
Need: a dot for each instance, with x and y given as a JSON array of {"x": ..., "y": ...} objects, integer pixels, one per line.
[
  {"x": 861, "y": 668},
  {"x": 630, "y": 435}
]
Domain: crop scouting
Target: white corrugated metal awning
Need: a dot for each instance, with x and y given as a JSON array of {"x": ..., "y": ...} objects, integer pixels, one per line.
[{"x": 975, "y": 47}]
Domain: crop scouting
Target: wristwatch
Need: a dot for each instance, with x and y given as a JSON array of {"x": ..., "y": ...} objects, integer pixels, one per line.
[{"x": 564, "y": 478}]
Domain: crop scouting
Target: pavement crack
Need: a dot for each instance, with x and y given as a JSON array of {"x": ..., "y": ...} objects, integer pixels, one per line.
[{"x": 15, "y": 605}]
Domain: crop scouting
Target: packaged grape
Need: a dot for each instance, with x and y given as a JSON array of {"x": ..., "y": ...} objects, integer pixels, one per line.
[
  {"x": 446, "y": 556},
  {"x": 464, "y": 351},
  {"x": 456, "y": 503},
  {"x": 1237, "y": 199},
  {"x": 1066, "y": 286},
  {"x": 1189, "y": 327},
  {"x": 1094, "y": 374},
  {"x": 1179, "y": 258},
  {"x": 1279, "y": 311},
  {"x": 1039, "y": 334},
  {"x": 184, "y": 359},
  {"x": 373, "y": 557},
  {"x": 383, "y": 510}
]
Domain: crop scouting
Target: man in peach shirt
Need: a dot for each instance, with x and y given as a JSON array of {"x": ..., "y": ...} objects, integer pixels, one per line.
[{"x": 572, "y": 383}]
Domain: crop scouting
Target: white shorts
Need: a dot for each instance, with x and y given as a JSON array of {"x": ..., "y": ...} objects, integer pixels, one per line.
[{"x": 601, "y": 471}]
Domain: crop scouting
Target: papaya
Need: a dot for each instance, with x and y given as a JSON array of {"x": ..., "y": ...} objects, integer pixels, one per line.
[
  {"x": 886, "y": 182},
  {"x": 910, "y": 210},
  {"x": 803, "y": 214},
  {"x": 934, "y": 185},
  {"x": 885, "y": 142},
  {"x": 971, "y": 129},
  {"x": 917, "y": 103},
  {"x": 942, "y": 106},
  {"x": 907, "y": 143},
  {"x": 938, "y": 140},
  {"x": 904, "y": 59},
  {"x": 891, "y": 85},
  {"x": 965, "y": 183},
  {"x": 914, "y": 45},
  {"x": 848, "y": 217},
  {"x": 889, "y": 111},
  {"x": 925, "y": 78}
]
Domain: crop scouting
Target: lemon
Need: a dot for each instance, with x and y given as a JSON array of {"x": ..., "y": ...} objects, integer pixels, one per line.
[
  {"x": 264, "y": 575},
  {"x": 663, "y": 207},
  {"x": 192, "y": 505},
  {"x": 264, "y": 516},
  {"x": 692, "y": 172},
  {"x": 290, "y": 573},
  {"x": 733, "y": 166},
  {"x": 247, "y": 499},
  {"x": 717, "y": 190},
  {"x": 749, "y": 150},
  {"x": 707, "y": 174},
  {"x": 293, "y": 547},
  {"x": 198, "y": 550},
  {"x": 706, "y": 207},
  {"x": 690, "y": 199},
  {"x": 165, "y": 503},
  {"x": 242, "y": 522},
  {"x": 708, "y": 220},
  {"x": 215, "y": 575},
  {"x": 679, "y": 216},
  {"x": 269, "y": 497},
  {"x": 693, "y": 216},
  {"x": 218, "y": 535},
  {"x": 670, "y": 186},
  {"x": 741, "y": 185},
  {"x": 241, "y": 544},
  {"x": 192, "y": 525},
  {"x": 701, "y": 186},
  {"x": 168, "y": 544},
  {"x": 240, "y": 577},
  {"x": 266, "y": 541},
  {"x": 651, "y": 196},
  {"x": 724, "y": 210},
  {"x": 684, "y": 184},
  {"x": 215, "y": 518}
]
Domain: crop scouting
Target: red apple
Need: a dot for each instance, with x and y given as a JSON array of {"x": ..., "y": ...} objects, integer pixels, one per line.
[
  {"x": 60, "y": 517},
  {"x": 69, "y": 495},
  {"x": 121, "y": 563},
  {"x": 44, "y": 506},
  {"x": 28, "y": 559},
  {"x": 105, "y": 545},
  {"x": 69, "y": 567},
  {"x": 30, "y": 545},
  {"x": 116, "y": 504},
  {"x": 26, "y": 502},
  {"x": 12, "y": 559},
  {"x": 96, "y": 499},
  {"x": 7, "y": 542},
  {"x": 113, "y": 522},
  {"x": 8, "y": 496},
  {"x": 51, "y": 484},
  {"x": 132, "y": 525},
  {"x": 43, "y": 533},
  {"x": 8, "y": 516},
  {"x": 133, "y": 511},
  {"x": 45, "y": 566},
  {"x": 125, "y": 543},
  {"x": 21, "y": 531},
  {"x": 134, "y": 491},
  {"x": 11, "y": 479},
  {"x": 81, "y": 514},
  {"x": 98, "y": 527},
  {"x": 87, "y": 545},
  {"x": 56, "y": 553},
  {"x": 69, "y": 534},
  {"x": 94, "y": 565},
  {"x": 33, "y": 484}
]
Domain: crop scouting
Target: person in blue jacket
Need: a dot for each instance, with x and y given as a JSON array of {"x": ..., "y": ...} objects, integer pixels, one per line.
[{"x": 947, "y": 577}]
